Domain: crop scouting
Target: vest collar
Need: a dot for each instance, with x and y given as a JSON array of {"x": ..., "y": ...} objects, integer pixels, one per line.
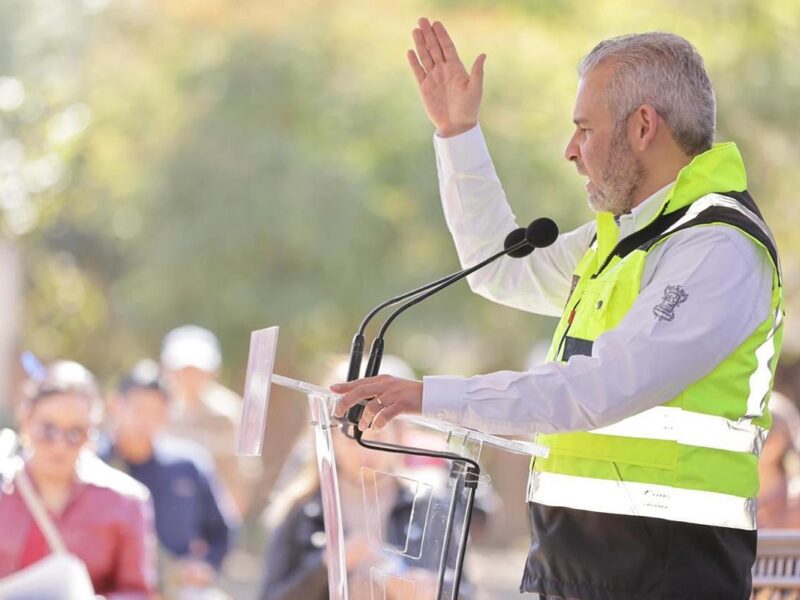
[{"x": 717, "y": 170}]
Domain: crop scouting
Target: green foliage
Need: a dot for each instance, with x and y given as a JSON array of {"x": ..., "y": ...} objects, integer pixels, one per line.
[{"x": 247, "y": 165}]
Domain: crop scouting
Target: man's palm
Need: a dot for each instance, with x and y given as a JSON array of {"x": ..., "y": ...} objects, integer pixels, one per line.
[{"x": 451, "y": 96}]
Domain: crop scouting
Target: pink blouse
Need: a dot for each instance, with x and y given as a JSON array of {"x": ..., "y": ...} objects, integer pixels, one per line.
[{"x": 107, "y": 523}]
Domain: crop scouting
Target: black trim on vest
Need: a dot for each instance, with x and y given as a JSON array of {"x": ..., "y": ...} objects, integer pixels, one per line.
[
  {"x": 659, "y": 225},
  {"x": 729, "y": 216},
  {"x": 745, "y": 199},
  {"x": 646, "y": 238},
  {"x": 576, "y": 347}
]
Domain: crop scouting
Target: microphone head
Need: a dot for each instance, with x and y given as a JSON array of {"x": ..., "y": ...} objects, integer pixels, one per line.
[
  {"x": 514, "y": 238},
  {"x": 541, "y": 232}
]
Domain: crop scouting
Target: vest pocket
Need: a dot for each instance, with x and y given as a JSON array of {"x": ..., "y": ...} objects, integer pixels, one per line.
[{"x": 594, "y": 314}]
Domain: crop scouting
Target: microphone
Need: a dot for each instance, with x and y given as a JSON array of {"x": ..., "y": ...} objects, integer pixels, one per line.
[
  {"x": 541, "y": 233},
  {"x": 517, "y": 244}
]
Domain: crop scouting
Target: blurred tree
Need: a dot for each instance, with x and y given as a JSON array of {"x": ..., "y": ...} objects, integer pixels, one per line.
[{"x": 235, "y": 165}]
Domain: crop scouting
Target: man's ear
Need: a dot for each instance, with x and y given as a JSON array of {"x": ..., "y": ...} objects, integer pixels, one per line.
[{"x": 644, "y": 126}]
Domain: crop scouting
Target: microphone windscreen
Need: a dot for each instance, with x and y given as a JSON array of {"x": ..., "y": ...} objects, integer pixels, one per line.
[
  {"x": 541, "y": 232},
  {"x": 513, "y": 239}
]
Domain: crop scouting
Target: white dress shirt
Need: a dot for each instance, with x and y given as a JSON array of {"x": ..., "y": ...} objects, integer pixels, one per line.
[{"x": 641, "y": 363}]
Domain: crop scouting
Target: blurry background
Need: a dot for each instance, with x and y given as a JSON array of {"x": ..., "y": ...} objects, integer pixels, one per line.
[{"x": 253, "y": 163}]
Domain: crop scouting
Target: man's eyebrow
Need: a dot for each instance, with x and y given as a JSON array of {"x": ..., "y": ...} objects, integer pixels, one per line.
[{"x": 579, "y": 121}]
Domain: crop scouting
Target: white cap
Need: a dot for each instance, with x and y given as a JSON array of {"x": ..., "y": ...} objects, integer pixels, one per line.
[
  {"x": 338, "y": 366},
  {"x": 191, "y": 346}
]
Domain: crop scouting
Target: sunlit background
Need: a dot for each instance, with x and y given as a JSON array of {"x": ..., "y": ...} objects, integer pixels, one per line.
[{"x": 240, "y": 164}]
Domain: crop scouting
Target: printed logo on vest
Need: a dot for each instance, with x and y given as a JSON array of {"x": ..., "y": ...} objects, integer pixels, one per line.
[{"x": 673, "y": 296}]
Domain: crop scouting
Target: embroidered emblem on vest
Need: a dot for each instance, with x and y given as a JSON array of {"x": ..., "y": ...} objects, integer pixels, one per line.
[{"x": 673, "y": 296}]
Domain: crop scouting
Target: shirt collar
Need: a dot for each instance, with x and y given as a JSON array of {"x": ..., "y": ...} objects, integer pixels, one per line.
[{"x": 642, "y": 214}]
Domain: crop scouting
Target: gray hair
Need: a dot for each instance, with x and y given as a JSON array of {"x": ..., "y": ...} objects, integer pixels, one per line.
[{"x": 665, "y": 71}]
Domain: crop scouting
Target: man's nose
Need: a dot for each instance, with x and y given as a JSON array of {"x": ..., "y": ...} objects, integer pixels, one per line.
[{"x": 571, "y": 151}]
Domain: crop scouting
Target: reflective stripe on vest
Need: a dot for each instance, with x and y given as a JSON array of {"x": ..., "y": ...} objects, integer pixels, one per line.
[
  {"x": 708, "y": 431},
  {"x": 761, "y": 379},
  {"x": 642, "y": 500},
  {"x": 723, "y": 201},
  {"x": 693, "y": 429}
]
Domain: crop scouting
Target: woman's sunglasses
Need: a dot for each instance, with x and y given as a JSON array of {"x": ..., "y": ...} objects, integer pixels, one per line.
[{"x": 50, "y": 433}]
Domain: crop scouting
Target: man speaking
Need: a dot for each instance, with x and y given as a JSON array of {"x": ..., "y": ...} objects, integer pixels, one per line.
[{"x": 654, "y": 399}]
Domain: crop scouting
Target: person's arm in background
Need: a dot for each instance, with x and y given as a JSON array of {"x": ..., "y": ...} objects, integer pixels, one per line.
[
  {"x": 475, "y": 206},
  {"x": 217, "y": 523},
  {"x": 136, "y": 570},
  {"x": 295, "y": 568}
]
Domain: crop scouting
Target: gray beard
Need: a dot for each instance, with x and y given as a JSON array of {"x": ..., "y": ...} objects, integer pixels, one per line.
[{"x": 622, "y": 177}]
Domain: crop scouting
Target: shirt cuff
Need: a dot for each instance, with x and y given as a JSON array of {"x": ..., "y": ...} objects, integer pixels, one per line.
[
  {"x": 463, "y": 152},
  {"x": 443, "y": 397}
]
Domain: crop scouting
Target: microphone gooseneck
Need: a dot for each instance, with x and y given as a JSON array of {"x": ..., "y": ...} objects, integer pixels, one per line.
[
  {"x": 466, "y": 471},
  {"x": 515, "y": 242},
  {"x": 518, "y": 244}
]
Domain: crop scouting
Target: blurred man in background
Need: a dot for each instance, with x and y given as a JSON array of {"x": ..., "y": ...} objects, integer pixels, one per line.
[
  {"x": 205, "y": 411},
  {"x": 194, "y": 517}
]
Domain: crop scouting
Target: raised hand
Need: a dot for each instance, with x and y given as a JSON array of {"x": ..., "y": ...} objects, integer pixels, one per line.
[{"x": 451, "y": 96}]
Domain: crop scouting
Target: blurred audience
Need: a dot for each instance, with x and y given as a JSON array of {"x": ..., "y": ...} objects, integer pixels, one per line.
[
  {"x": 193, "y": 516},
  {"x": 205, "y": 411},
  {"x": 101, "y": 515},
  {"x": 778, "y": 505}
]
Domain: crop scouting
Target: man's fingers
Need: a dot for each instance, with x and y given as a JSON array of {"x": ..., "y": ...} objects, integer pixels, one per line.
[
  {"x": 345, "y": 386},
  {"x": 370, "y": 410},
  {"x": 476, "y": 75},
  {"x": 356, "y": 395},
  {"x": 430, "y": 41},
  {"x": 386, "y": 415},
  {"x": 422, "y": 49},
  {"x": 447, "y": 45},
  {"x": 416, "y": 67}
]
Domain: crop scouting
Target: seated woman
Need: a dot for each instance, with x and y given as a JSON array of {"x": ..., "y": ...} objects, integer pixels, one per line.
[{"x": 103, "y": 517}]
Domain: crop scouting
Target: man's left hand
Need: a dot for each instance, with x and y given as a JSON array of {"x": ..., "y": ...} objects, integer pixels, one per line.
[{"x": 387, "y": 397}]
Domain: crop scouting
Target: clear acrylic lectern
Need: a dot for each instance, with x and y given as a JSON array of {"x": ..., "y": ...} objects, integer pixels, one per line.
[{"x": 395, "y": 524}]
